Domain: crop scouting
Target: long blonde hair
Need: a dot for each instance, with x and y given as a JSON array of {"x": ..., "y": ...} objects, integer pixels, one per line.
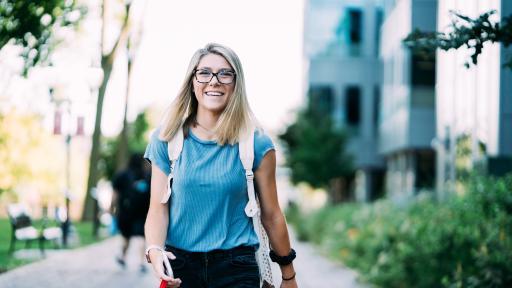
[{"x": 236, "y": 117}]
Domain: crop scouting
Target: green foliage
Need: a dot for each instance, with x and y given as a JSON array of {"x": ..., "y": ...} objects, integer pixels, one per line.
[
  {"x": 136, "y": 144},
  {"x": 84, "y": 229},
  {"x": 315, "y": 149},
  {"x": 463, "y": 242},
  {"x": 24, "y": 150},
  {"x": 31, "y": 25},
  {"x": 7, "y": 262},
  {"x": 138, "y": 130},
  {"x": 464, "y": 31}
]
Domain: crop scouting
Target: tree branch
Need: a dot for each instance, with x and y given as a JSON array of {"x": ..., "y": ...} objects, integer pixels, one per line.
[{"x": 465, "y": 31}]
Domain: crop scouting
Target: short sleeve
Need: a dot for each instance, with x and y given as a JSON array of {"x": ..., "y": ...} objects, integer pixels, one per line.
[
  {"x": 262, "y": 144},
  {"x": 157, "y": 154}
]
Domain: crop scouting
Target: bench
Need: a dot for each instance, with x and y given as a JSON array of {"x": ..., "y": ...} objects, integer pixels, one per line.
[{"x": 23, "y": 229}]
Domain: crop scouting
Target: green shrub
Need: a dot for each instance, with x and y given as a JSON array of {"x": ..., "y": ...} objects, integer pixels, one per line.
[{"x": 465, "y": 241}]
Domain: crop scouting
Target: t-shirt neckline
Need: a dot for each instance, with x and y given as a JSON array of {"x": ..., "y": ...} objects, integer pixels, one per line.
[{"x": 202, "y": 141}]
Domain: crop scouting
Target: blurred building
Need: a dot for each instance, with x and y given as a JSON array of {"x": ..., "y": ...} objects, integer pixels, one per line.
[
  {"x": 473, "y": 104},
  {"x": 410, "y": 118},
  {"x": 341, "y": 43},
  {"x": 407, "y": 119}
]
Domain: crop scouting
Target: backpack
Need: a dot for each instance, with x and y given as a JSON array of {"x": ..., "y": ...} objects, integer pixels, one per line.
[
  {"x": 252, "y": 209},
  {"x": 134, "y": 196}
]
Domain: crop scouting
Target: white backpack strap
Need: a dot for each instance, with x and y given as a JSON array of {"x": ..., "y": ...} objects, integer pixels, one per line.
[
  {"x": 174, "y": 148},
  {"x": 246, "y": 151},
  {"x": 252, "y": 209}
]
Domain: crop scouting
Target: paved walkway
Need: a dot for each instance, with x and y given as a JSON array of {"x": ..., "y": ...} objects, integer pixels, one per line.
[
  {"x": 315, "y": 271},
  {"x": 94, "y": 266}
]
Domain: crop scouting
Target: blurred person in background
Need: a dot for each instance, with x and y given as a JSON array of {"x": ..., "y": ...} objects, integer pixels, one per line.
[
  {"x": 131, "y": 203},
  {"x": 202, "y": 226}
]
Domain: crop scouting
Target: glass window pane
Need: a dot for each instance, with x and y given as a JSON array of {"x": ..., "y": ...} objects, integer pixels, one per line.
[{"x": 353, "y": 105}]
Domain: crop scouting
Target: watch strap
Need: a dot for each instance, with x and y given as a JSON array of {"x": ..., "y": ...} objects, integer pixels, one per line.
[{"x": 283, "y": 260}]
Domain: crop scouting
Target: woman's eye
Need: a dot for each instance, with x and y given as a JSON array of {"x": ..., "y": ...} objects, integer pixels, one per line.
[
  {"x": 226, "y": 74},
  {"x": 204, "y": 72}
]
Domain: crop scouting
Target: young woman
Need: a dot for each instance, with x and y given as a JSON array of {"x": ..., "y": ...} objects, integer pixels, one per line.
[{"x": 203, "y": 227}]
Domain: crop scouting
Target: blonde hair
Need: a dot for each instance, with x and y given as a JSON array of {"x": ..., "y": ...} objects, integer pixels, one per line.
[{"x": 236, "y": 117}]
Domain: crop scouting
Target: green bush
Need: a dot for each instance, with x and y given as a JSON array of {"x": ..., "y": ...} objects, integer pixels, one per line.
[{"x": 465, "y": 241}]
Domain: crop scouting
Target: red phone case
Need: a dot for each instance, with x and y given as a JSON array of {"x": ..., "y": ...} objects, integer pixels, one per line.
[{"x": 163, "y": 284}]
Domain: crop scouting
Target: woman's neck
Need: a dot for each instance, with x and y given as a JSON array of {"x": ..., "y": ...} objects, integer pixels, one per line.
[
  {"x": 204, "y": 126},
  {"x": 207, "y": 121}
]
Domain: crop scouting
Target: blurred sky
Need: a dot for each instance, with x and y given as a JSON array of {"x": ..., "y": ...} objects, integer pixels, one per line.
[{"x": 266, "y": 34}]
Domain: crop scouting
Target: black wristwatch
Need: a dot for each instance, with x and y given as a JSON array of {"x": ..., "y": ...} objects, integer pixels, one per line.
[{"x": 283, "y": 260}]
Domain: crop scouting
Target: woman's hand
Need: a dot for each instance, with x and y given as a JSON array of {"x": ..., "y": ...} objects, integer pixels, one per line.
[
  {"x": 289, "y": 283},
  {"x": 159, "y": 263}
]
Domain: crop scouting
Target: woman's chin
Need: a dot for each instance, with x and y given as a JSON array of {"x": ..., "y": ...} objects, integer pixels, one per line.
[{"x": 214, "y": 108}]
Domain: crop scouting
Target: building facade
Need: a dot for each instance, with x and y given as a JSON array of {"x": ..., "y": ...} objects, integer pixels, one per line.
[
  {"x": 407, "y": 120},
  {"x": 409, "y": 117},
  {"x": 473, "y": 104},
  {"x": 341, "y": 42}
]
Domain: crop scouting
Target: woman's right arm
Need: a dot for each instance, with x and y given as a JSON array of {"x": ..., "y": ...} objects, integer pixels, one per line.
[{"x": 157, "y": 222}]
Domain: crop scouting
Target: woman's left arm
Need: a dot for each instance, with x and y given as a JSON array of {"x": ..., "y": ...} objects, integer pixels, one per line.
[{"x": 272, "y": 217}]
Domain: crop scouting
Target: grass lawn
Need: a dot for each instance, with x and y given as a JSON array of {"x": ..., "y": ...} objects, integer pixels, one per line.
[{"x": 7, "y": 262}]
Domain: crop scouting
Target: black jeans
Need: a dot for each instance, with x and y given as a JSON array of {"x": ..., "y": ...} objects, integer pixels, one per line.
[{"x": 235, "y": 267}]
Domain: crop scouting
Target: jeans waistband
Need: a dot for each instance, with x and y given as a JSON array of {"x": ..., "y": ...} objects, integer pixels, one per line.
[{"x": 218, "y": 253}]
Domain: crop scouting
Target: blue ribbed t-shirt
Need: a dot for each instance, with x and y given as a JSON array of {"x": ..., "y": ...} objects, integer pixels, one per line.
[{"x": 209, "y": 193}]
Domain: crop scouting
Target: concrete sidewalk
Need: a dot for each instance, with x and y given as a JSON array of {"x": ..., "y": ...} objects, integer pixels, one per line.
[
  {"x": 91, "y": 266},
  {"x": 94, "y": 266},
  {"x": 314, "y": 270}
]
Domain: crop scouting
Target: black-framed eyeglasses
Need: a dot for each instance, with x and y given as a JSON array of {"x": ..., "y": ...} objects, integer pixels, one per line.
[{"x": 223, "y": 76}]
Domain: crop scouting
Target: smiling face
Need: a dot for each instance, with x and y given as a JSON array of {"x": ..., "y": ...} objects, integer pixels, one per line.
[{"x": 213, "y": 96}]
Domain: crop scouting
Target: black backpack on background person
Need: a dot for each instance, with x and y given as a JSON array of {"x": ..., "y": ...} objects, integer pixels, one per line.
[{"x": 133, "y": 196}]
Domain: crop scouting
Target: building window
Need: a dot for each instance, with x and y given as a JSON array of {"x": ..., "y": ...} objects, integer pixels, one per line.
[
  {"x": 321, "y": 98},
  {"x": 423, "y": 69},
  {"x": 355, "y": 18},
  {"x": 353, "y": 105},
  {"x": 352, "y": 27},
  {"x": 425, "y": 170},
  {"x": 376, "y": 108},
  {"x": 379, "y": 16}
]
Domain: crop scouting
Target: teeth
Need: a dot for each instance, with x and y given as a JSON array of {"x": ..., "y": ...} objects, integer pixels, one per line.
[{"x": 214, "y": 93}]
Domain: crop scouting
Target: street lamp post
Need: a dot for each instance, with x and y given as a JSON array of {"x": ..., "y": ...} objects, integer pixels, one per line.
[
  {"x": 57, "y": 130},
  {"x": 66, "y": 224}
]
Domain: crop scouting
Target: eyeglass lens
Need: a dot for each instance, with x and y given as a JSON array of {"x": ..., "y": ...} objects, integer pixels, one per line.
[{"x": 223, "y": 76}]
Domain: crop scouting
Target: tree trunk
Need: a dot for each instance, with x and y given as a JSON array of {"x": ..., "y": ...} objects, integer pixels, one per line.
[
  {"x": 90, "y": 201},
  {"x": 339, "y": 189},
  {"x": 123, "y": 149},
  {"x": 132, "y": 46},
  {"x": 90, "y": 211},
  {"x": 335, "y": 190}
]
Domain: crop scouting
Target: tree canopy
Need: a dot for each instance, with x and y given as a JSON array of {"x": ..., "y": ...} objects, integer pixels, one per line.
[
  {"x": 31, "y": 25},
  {"x": 464, "y": 31},
  {"x": 136, "y": 134},
  {"x": 315, "y": 149},
  {"x": 24, "y": 149}
]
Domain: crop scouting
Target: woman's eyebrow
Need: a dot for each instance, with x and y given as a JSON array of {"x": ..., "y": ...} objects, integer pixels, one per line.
[{"x": 220, "y": 69}]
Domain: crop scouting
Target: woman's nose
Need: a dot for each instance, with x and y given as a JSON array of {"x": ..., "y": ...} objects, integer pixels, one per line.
[{"x": 214, "y": 81}]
